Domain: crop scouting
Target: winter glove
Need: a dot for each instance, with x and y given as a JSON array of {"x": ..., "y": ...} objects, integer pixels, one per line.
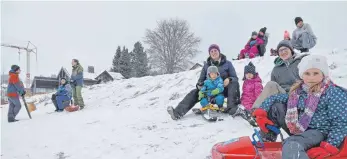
[
  {"x": 199, "y": 85},
  {"x": 201, "y": 95},
  {"x": 252, "y": 43},
  {"x": 262, "y": 120},
  {"x": 215, "y": 92},
  {"x": 323, "y": 151}
]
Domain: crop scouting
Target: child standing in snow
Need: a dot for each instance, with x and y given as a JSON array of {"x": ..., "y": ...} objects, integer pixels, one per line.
[
  {"x": 251, "y": 89},
  {"x": 251, "y": 48},
  {"x": 14, "y": 90},
  {"x": 212, "y": 89},
  {"x": 314, "y": 113}
]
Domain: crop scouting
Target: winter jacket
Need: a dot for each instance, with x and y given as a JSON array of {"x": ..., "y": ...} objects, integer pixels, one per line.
[
  {"x": 225, "y": 68},
  {"x": 286, "y": 73},
  {"x": 77, "y": 75},
  {"x": 251, "y": 89},
  {"x": 330, "y": 116},
  {"x": 64, "y": 90},
  {"x": 259, "y": 41},
  {"x": 305, "y": 28},
  {"x": 210, "y": 85},
  {"x": 15, "y": 86}
]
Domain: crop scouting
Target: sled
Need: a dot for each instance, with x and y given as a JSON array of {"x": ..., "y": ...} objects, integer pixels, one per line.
[
  {"x": 208, "y": 112},
  {"x": 72, "y": 108},
  {"x": 246, "y": 148},
  {"x": 26, "y": 106}
]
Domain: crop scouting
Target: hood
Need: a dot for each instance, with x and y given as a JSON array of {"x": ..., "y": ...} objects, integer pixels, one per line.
[
  {"x": 279, "y": 62},
  {"x": 223, "y": 59}
]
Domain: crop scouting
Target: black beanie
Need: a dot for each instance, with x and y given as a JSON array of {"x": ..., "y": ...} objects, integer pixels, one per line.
[
  {"x": 297, "y": 20},
  {"x": 15, "y": 68},
  {"x": 250, "y": 68},
  {"x": 254, "y": 33},
  {"x": 285, "y": 43},
  {"x": 263, "y": 30}
]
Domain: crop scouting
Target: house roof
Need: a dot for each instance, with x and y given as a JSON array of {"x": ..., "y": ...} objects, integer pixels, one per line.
[{"x": 116, "y": 75}]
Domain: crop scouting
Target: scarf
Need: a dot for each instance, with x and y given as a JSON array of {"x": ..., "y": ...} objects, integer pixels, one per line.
[{"x": 299, "y": 123}]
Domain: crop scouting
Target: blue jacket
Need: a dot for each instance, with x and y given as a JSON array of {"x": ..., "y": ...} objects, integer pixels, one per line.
[
  {"x": 330, "y": 116},
  {"x": 64, "y": 90},
  {"x": 15, "y": 86},
  {"x": 210, "y": 85},
  {"x": 225, "y": 68},
  {"x": 77, "y": 75}
]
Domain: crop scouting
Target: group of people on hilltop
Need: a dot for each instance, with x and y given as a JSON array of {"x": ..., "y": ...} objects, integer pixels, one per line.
[
  {"x": 300, "y": 98},
  {"x": 302, "y": 39},
  {"x": 61, "y": 99}
]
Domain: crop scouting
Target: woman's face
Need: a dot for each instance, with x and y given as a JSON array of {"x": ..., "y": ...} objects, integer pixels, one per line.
[
  {"x": 63, "y": 81},
  {"x": 284, "y": 53},
  {"x": 214, "y": 53},
  {"x": 312, "y": 76}
]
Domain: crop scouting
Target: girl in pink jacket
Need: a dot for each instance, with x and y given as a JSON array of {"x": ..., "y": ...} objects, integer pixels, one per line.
[
  {"x": 252, "y": 86},
  {"x": 251, "y": 48}
]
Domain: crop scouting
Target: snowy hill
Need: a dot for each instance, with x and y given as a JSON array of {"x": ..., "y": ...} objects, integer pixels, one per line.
[{"x": 127, "y": 119}]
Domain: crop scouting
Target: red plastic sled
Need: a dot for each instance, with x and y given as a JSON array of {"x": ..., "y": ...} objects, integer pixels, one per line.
[
  {"x": 245, "y": 148},
  {"x": 72, "y": 108}
]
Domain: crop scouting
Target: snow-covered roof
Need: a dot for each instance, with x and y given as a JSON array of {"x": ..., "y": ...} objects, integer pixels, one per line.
[
  {"x": 88, "y": 75},
  {"x": 115, "y": 75}
]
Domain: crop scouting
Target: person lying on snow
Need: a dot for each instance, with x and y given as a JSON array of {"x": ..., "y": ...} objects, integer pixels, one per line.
[
  {"x": 213, "y": 88},
  {"x": 251, "y": 48},
  {"x": 15, "y": 89},
  {"x": 314, "y": 113},
  {"x": 286, "y": 36},
  {"x": 251, "y": 89},
  {"x": 62, "y": 97},
  {"x": 303, "y": 37},
  {"x": 231, "y": 85}
]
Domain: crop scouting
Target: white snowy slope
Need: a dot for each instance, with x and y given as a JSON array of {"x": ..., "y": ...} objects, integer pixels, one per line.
[{"x": 127, "y": 119}]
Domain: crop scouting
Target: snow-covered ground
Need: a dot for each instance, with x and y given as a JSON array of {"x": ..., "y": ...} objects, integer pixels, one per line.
[{"x": 127, "y": 119}]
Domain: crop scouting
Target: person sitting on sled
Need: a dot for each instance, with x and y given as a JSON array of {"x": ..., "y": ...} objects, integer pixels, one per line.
[
  {"x": 212, "y": 90},
  {"x": 313, "y": 113},
  {"x": 251, "y": 48},
  {"x": 251, "y": 89},
  {"x": 62, "y": 97},
  {"x": 286, "y": 36},
  {"x": 15, "y": 89}
]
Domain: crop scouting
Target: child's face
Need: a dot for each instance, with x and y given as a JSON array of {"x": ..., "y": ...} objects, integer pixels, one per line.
[
  {"x": 312, "y": 76},
  {"x": 213, "y": 75},
  {"x": 286, "y": 38},
  {"x": 254, "y": 36},
  {"x": 249, "y": 76},
  {"x": 63, "y": 81}
]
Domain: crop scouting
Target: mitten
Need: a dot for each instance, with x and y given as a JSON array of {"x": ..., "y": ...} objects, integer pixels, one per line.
[
  {"x": 262, "y": 119},
  {"x": 215, "y": 92},
  {"x": 324, "y": 150},
  {"x": 201, "y": 95}
]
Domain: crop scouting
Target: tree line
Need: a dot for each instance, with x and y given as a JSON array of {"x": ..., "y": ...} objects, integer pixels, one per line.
[{"x": 171, "y": 45}]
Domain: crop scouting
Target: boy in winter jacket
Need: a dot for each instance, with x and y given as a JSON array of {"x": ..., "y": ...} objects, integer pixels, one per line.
[
  {"x": 303, "y": 36},
  {"x": 14, "y": 90},
  {"x": 251, "y": 48},
  {"x": 62, "y": 97},
  {"x": 212, "y": 89},
  {"x": 314, "y": 113}
]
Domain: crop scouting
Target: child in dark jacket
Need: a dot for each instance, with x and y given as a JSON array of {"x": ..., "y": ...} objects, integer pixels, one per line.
[
  {"x": 62, "y": 97},
  {"x": 15, "y": 89},
  {"x": 212, "y": 89},
  {"x": 314, "y": 113}
]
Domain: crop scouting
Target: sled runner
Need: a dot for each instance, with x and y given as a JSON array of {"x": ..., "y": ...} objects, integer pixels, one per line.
[
  {"x": 246, "y": 148},
  {"x": 209, "y": 113}
]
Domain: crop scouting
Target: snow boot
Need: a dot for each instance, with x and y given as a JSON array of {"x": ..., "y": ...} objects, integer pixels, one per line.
[
  {"x": 174, "y": 115},
  {"x": 268, "y": 137},
  {"x": 241, "y": 111},
  {"x": 11, "y": 120}
]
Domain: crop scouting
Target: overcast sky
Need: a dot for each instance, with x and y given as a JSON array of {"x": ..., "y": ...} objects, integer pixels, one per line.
[{"x": 91, "y": 31}]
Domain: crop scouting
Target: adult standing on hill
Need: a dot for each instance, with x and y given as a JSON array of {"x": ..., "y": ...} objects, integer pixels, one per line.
[
  {"x": 303, "y": 36},
  {"x": 231, "y": 84},
  {"x": 77, "y": 83}
]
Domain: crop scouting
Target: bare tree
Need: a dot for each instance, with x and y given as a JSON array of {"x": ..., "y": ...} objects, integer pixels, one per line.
[{"x": 171, "y": 45}]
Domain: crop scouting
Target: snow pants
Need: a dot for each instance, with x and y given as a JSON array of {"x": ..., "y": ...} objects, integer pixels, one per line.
[
  {"x": 271, "y": 88},
  {"x": 305, "y": 41},
  {"x": 14, "y": 107},
  {"x": 295, "y": 146},
  {"x": 62, "y": 101},
  {"x": 77, "y": 96},
  {"x": 252, "y": 52},
  {"x": 232, "y": 92},
  {"x": 219, "y": 100}
]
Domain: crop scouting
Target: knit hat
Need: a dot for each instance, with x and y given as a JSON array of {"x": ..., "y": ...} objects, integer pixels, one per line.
[
  {"x": 286, "y": 43},
  {"x": 212, "y": 69},
  {"x": 263, "y": 30},
  {"x": 297, "y": 20},
  {"x": 286, "y": 34},
  {"x": 314, "y": 61},
  {"x": 15, "y": 68},
  {"x": 254, "y": 33},
  {"x": 250, "y": 68},
  {"x": 213, "y": 46}
]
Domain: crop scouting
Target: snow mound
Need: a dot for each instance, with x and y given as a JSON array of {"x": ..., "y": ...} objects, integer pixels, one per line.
[{"x": 128, "y": 119}]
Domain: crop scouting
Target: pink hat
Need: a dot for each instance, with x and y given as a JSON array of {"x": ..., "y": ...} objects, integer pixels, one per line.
[{"x": 286, "y": 34}]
